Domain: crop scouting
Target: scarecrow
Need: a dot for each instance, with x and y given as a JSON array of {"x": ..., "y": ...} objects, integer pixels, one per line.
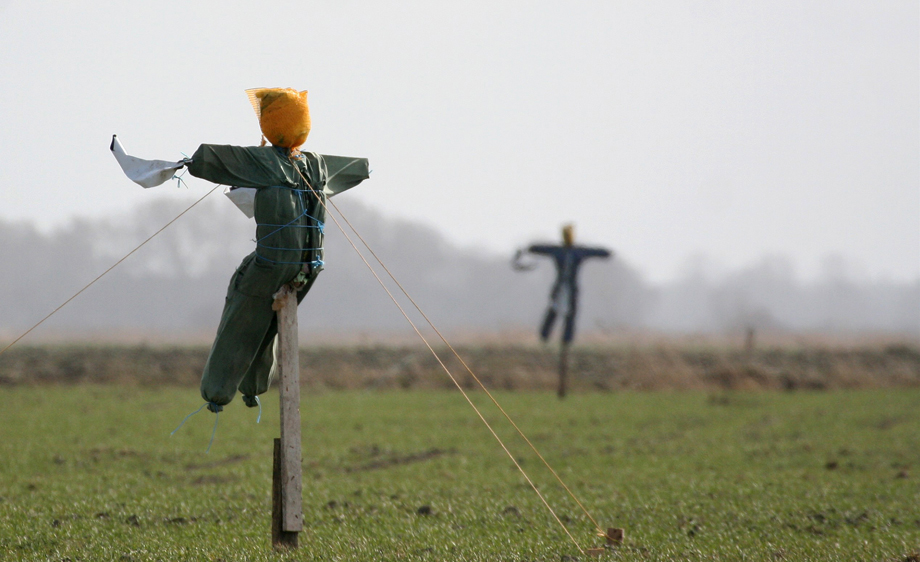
[
  {"x": 285, "y": 190},
  {"x": 568, "y": 258}
]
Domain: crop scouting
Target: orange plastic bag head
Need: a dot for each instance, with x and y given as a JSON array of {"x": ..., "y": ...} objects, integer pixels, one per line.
[{"x": 283, "y": 113}]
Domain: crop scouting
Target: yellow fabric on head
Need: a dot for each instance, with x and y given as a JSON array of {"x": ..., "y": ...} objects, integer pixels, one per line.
[
  {"x": 283, "y": 113},
  {"x": 568, "y": 234}
]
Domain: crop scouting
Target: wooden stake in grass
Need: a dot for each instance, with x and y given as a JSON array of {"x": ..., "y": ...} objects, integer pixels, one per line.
[
  {"x": 280, "y": 539},
  {"x": 287, "y": 494},
  {"x": 615, "y": 536},
  {"x": 563, "y": 368}
]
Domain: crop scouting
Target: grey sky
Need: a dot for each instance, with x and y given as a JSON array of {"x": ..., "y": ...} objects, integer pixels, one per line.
[{"x": 663, "y": 129}]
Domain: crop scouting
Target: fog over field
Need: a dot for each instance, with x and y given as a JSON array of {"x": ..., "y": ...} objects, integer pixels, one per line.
[{"x": 176, "y": 283}]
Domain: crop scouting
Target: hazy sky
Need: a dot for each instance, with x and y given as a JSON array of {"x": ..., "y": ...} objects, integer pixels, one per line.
[{"x": 663, "y": 129}]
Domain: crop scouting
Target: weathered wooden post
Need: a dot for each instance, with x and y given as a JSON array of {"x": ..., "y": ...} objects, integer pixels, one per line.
[
  {"x": 563, "y": 369},
  {"x": 749, "y": 341},
  {"x": 287, "y": 491}
]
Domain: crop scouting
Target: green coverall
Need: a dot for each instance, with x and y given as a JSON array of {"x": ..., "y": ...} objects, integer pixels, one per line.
[{"x": 289, "y": 246}]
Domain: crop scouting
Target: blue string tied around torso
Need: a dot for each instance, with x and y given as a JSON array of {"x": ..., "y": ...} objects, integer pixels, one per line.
[{"x": 311, "y": 254}]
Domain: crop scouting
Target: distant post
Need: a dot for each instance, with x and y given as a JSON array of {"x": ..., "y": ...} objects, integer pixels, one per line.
[
  {"x": 749, "y": 340},
  {"x": 563, "y": 368},
  {"x": 287, "y": 490}
]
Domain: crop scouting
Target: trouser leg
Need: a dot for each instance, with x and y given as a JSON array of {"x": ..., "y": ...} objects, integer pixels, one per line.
[
  {"x": 258, "y": 376},
  {"x": 569, "y": 333},
  {"x": 551, "y": 312},
  {"x": 569, "y": 327},
  {"x": 244, "y": 324},
  {"x": 242, "y": 330},
  {"x": 547, "y": 327}
]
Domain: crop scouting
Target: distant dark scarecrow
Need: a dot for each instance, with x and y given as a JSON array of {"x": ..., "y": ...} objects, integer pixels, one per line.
[
  {"x": 568, "y": 259},
  {"x": 285, "y": 190},
  {"x": 564, "y": 295}
]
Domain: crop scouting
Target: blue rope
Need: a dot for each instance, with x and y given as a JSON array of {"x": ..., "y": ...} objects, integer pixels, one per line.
[
  {"x": 216, "y": 408},
  {"x": 179, "y": 181},
  {"x": 259, "y": 402},
  {"x": 288, "y": 249},
  {"x": 186, "y": 418},
  {"x": 318, "y": 224},
  {"x": 314, "y": 263},
  {"x": 288, "y": 187}
]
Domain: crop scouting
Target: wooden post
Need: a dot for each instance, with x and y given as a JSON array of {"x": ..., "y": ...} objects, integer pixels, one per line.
[
  {"x": 615, "y": 536},
  {"x": 280, "y": 539},
  {"x": 563, "y": 368},
  {"x": 287, "y": 508},
  {"x": 749, "y": 335}
]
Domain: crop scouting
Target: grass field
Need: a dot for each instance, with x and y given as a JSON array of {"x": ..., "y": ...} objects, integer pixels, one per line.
[{"x": 91, "y": 473}]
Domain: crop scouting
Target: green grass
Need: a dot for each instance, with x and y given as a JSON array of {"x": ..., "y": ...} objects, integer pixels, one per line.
[{"x": 91, "y": 473}]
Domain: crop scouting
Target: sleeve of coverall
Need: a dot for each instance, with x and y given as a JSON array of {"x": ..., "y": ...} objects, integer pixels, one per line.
[
  {"x": 344, "y": 172},
  {"x": 594, "y": 252},
  {"x": 236, "y": 165},
  {"x": 544, "y": 249}
]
